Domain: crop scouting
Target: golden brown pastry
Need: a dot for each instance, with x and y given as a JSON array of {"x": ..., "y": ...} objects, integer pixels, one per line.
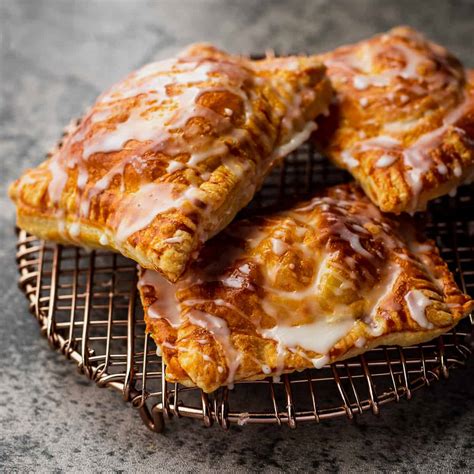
[
  {"x": 324, "y": 281},
  {"x": 403, "y": 118},
  {"x": 167, "y": 157}
]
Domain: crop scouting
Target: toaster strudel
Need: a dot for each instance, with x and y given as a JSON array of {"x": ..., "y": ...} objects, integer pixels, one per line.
[
  {"x": 402, "y": 121},
  {"x": 324, "y": 281},
  {"x": 168, "y": 156}
]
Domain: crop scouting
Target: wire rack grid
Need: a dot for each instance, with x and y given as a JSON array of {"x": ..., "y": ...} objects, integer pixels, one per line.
[{"x": 87, "y": 306}]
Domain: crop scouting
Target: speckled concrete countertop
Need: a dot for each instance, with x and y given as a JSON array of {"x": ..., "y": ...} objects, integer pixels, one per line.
[{"x": 56, "y": 56}]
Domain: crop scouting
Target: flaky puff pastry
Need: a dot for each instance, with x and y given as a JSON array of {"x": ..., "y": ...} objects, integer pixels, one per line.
[
  {"x": 167, "y": 157},
  {"x": 323, "y": 281},
  {"x": 402, "y": 121}
]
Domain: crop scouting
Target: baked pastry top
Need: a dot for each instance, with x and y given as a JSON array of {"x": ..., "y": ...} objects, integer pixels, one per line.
[
  {"x": 168, "y": 156},
  {"x": 402, "y": 121},
  {"x": 324, "y": 281}
]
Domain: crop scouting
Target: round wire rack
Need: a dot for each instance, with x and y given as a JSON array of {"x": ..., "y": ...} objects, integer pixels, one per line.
[{"x": 88, "y": 307}]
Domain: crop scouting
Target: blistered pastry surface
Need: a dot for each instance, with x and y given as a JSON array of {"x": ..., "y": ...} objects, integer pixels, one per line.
[
  {"x": 166, "y": 157},
  {"x": 403, "y": 118},
  {"x": 323, "y": 281}
]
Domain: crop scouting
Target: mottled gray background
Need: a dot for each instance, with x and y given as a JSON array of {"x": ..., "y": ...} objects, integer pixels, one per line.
[{"x": 56, "y": 56}]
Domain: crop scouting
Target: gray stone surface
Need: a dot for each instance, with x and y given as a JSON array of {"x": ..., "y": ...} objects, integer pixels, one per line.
[{"x": 56, "y": 56}]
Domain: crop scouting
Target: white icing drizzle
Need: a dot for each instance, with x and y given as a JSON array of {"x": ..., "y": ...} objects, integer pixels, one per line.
[
  {"x": 75, "y": 229},
  {"x": 442, "y": 168},
  {"x": 381, "y": 292},
  {"x": 360, "y": 342},
  {"x": 174, "y": 165},
  {"x": 59, "y": 179},
  {"x": 99, "y": 186},
  {"x": 173, "y": 240},
  {"x": 320, "y": 362},
  {"x": 353, "y": 238},
  {"x": 166, "y": 305},
  {"x": 376, "y": 329},
  {"x": 234, "y": 281},
  {"x": 220, "y": 330},
  {"x": 297, "y": 140},
  {"x": 402, "y": 126},
  {"x": 420, "y": 248},
  {"x": 266, "y": 369},
  {"x": 278, "y": 246},
  {"x": 142, "y": 207},
  {"x": 457, "y": 171},
  {"x": 62, "y": 225},
  {"x": 103, "y": 240},
  {"x": 417, "y": 303},
  {"x": 245, "y": 269},
  {"x": 328, "y": 333},
  {"x": 385, "y": 160},
  {"x": 349, "y": 160},
  {"x": 363, "y": 82},
  {"x": 360, "y": 66}
]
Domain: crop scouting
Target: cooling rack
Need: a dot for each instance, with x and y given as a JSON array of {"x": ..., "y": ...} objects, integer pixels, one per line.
[{"x": 87, "y": 306}]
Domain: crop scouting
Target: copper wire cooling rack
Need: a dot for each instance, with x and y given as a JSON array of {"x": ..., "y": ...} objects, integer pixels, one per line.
[{"x": 88, "y": 308}]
